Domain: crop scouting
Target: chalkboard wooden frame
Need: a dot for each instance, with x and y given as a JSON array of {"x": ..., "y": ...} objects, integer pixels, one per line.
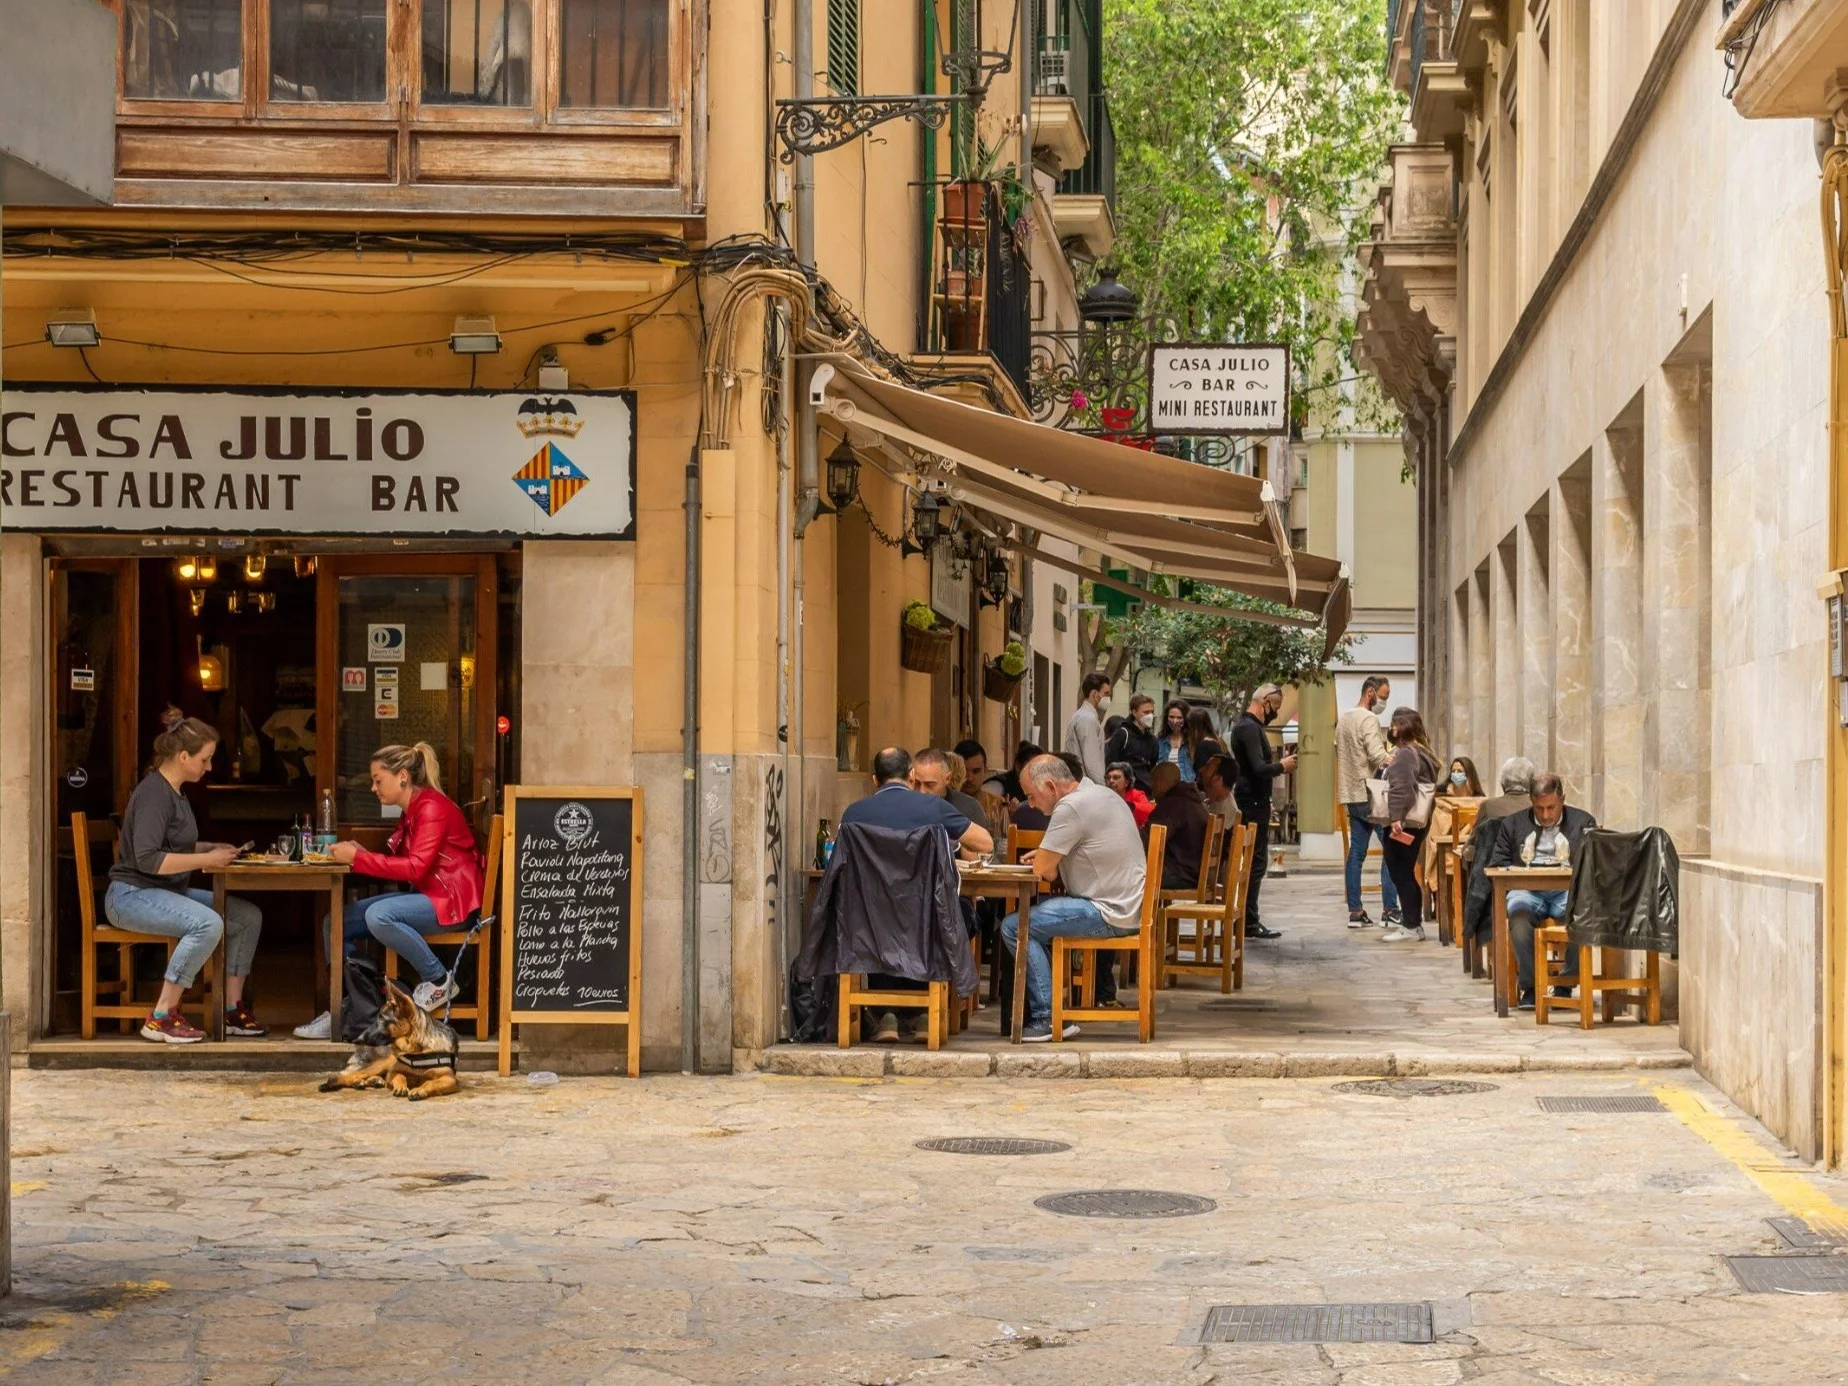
[{"x": 509, "y": 925}]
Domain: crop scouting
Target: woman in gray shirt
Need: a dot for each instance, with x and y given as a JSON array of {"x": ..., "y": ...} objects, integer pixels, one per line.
[{"x": 150, "y": 884}]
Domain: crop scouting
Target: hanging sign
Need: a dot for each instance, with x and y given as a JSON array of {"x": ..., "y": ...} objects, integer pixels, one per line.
[
  {"x": 458, "y": 463},
  {"x": 1219, "y": 388},
  {"x": 571, "y": 912}
]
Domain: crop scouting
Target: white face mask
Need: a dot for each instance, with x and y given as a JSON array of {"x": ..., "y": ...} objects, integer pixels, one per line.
[{"x": 1147, "y": 720}]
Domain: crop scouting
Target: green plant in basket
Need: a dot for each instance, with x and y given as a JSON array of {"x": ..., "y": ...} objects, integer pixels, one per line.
[
  {"x": 919, "y": 616},
  {"x": 1013, "y": 660}
]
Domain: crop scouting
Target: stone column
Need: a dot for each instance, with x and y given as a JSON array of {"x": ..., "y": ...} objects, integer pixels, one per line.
[
  {"x": 1677, "y": 617},
  {"x": 1506, "y": 599},
  {"x": 1481, "y": 664},
  {"x": 1534, "y": 583},
  {"x": 1569, "y": 542},
  {"x": 25, "y": 790},
  {"x": 1617, "y": 508}
]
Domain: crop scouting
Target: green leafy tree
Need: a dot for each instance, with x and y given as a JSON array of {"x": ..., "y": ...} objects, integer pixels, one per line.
[
  {"x": 1226, "y": 655},
  {"x": 1249, "y": 137}
]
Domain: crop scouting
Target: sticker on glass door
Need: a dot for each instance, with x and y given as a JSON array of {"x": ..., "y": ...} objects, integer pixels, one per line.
[{"x": 385, "y": 644}]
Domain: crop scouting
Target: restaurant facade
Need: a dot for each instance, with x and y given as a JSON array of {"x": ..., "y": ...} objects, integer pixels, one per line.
[{"x": 528, "y": 403}]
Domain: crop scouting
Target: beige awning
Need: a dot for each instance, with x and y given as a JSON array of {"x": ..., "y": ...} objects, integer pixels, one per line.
[{"x": 1137, "y": 509}]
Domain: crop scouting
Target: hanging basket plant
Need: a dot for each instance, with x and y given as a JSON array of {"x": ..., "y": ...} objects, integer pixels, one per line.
[
  {"x": 924, "y": 643},
  {"x": 1001, "y": 677}
]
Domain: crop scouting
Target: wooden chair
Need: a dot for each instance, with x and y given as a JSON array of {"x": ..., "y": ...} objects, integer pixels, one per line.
[
  {"x": 1207, "y": 887},
  {"x": 481, "y": 1010},
  {"x": 1020, "y": 840},
  {"x": 1142, "y": 944},
  {"x": 1217, "y": 948},
  {"x": 1551, "y": 945},
  {"x": 99, "y": 933},
  {"x": 855, "y": 994},
  {"x": 1461, "y": 826}
]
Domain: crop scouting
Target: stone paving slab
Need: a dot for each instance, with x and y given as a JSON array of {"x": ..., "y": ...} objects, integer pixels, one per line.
[
  {"x": 198, "y": 1230},
  {"x": 1336, "y": 1001}
]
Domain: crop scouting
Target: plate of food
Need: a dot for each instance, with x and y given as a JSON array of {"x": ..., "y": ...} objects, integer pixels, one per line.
[{"x": 317, "y": 859}]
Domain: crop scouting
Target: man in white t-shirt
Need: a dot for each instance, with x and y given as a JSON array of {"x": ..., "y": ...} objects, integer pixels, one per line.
[{"x": 1091, "y": 844}]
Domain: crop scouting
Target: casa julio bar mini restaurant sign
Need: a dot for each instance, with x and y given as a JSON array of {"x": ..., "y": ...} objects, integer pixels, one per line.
[
  {"x": 318, "y": 462},
  {"x": 1206, "y": 388}
]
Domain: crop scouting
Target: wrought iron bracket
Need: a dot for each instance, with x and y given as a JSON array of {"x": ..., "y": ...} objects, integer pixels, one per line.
[
  {"x": 814, "y": 125},
  {"x": 974, "y": 68}
]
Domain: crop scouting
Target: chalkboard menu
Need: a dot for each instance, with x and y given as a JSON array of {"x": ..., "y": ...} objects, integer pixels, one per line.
[{"x": 571, "y": 909}]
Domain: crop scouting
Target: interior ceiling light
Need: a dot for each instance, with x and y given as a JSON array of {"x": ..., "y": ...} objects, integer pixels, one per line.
[
  {"x": 475, "y": 337},
  {"x": 255, "y": 565},
  {"x": 72, "y": 327},
  {"x": 208, "y": 568},
  {"x": 188, "y": 569}
]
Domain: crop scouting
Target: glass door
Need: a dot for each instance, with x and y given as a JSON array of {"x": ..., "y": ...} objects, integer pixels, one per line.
[{"x": 406, "y": 653}]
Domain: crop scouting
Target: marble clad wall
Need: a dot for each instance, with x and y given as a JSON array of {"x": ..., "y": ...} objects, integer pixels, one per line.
[{"x": 1668, "y": 420}]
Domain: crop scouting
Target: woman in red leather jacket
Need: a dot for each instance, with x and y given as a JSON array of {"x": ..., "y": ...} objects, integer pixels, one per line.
[{"x": 432, "y": 851}]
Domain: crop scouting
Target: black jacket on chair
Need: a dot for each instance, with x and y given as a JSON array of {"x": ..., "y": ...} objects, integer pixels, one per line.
[
  {"x": 889, "y": 903},
  {"x": 1626, "y": 891}
]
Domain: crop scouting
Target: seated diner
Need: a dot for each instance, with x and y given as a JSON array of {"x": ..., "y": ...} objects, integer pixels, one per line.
[
  {"x": 1180, "y": 809},
  {"x": 1546, "y": 833}
]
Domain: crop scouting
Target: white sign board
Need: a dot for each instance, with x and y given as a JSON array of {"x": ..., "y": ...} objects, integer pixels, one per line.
[
  {"x": 1206, "y": 388},
  {"x": 317, "y": 462}
]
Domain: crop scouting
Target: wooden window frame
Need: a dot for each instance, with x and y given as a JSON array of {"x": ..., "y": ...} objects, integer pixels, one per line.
[{"x": 404, "y": 104}]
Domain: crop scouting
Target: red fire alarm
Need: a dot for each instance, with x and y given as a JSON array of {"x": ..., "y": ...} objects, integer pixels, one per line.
[{"x": 503, "y": 724}]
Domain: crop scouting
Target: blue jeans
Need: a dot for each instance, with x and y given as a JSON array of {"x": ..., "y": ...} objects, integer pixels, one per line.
[
  {"x": 1360, "y": 837},
  {"x": 1526, "y": 908},
  {"x": 191, "y": 919},
  {"x": 399, "y": 921},
  {"x": 1058, "y": 916}
]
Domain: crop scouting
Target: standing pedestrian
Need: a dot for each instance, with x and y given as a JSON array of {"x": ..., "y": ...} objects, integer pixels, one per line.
[
  {"x": 1413, "y": 765},
  {"x": 1251, "y": 750},
  {"x": 1360, "y": 751},
  {"x": 1171, "y": 745},
  {"x": 1084, "y": 734},
  {"x": 1133, "y": 743}
]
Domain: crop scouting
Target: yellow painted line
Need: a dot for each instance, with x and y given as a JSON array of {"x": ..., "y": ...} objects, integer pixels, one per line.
[
  {"x": 26, "y": 1186},
  {"x": 1790, "y": 1189}
]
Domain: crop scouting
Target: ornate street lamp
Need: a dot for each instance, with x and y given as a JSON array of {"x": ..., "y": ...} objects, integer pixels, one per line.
[
  {"x": 843, "y": 475},
  {"x": 1099, "y": 366},
  {"x": 926, "y": 519}
]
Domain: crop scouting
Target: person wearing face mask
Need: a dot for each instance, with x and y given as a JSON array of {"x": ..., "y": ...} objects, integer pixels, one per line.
[
  {"x": 1133, "y": 743},
  {"x": 1251, "y": 751},
  {"x": 1464, "y": 782},
  {"x": 1172, "y": 745},
  {"x": 1360, "y": 753}
]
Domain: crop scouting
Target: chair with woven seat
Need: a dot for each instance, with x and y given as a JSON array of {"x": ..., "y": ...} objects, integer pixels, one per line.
[
  {"x": 1141, "y": 944},
  {"x": 97, "y": 932},
  {"x": 481, "y": 1010},
  {"x": 1217, "y": 945}
]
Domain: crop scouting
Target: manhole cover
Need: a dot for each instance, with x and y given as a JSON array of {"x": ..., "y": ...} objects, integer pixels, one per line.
[
  {"x": 1600, "y": 1104},
  {"x": 1318, "y": 1323},
  {"x": 1801, "y": 1235},
  {"x": 1413, "y": 1087},
  {"x": 1125, "y": 1203},
  {"x": 992, "y": 1145},
  {"x": 1791, "y": 1275}
]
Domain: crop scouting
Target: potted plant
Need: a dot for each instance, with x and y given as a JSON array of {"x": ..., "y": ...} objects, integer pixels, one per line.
[
  {"x": 924, "y": 643},
  {"x": 1001, "y": 676}
]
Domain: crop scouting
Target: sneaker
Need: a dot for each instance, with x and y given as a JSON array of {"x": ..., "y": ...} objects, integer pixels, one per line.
[
  {"x": 431, "y": 996},
  {"x": 170, "y": 1028},
  {"x": 320, "y": 1028},
  {"x": 1526, "y": 1003},
  {"x": 1040, "y": 1032},
  {"x": 240, "y": 1021},
  {"x": 1359, "y": 919},
  {"x": 886, "y": 1031},
  {"x": 915, "y": 1028},
  {"x": 1398, "y": 933},
  {"x": 1393, "y": 919}
]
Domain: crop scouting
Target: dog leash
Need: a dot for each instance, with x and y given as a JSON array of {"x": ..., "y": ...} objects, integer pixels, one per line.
[{"x": 424, "y": 993}]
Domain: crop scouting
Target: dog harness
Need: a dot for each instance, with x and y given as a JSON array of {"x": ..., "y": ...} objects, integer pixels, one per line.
[{"x": 436, "y": 1059}]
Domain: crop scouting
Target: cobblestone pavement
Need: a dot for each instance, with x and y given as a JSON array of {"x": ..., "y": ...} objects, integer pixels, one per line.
[{"x": 246, "y": 1231}]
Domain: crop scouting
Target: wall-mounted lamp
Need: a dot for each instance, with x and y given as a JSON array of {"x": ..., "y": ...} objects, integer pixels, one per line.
[
  {"x": 475, "y": 337},
  {"x": 843, "y": 475},
  {"x": 72, "y": 327},
  {"x": 927, "y": 518}
]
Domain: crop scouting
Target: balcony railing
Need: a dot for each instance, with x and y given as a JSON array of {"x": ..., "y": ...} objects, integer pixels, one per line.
[
  {"x": 1434, "y": 26},
  {"x": 982, "y": 284},
  {"x": 1068, "y": 52},
  {"x": 1097, "y": 174}
]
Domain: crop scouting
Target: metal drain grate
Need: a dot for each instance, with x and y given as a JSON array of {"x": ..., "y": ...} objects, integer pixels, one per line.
[
  {"x": 1600, "y": 1104},
  {"x": 1413, "y": 1087},
  {"x": 1800, "y": 1235},
  {"x": 1125, "y": 1203},
  {"x": 992, "y": 1145},
  {"x": 1318, "y": 1323},
  {"x": 1791, "y": 1275}
]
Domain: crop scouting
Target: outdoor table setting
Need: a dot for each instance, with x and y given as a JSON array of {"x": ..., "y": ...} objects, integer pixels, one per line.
[
  {"x": 1018, "y": 884},
  {"x": 1501, "y": 953},
  {"x": 316, "y": 873}
]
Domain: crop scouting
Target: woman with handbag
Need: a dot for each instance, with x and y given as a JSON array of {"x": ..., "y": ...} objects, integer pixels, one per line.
[{"x": 1411, "y": 794}]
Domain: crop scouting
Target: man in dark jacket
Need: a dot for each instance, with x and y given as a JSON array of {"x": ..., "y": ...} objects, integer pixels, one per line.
[
  {"x": 1180, "y": 809},
  {"x": 1134, "y": 742},
  {"x": 1546, "y": 833},
  {"x": 1251, "y": 749}
]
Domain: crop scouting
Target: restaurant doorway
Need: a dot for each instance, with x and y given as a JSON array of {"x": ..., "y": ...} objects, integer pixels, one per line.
[{"x": 305, "y": 661}]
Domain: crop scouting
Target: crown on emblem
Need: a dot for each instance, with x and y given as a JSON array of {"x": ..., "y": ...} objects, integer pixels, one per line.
[{"x": 549, "y": 416}]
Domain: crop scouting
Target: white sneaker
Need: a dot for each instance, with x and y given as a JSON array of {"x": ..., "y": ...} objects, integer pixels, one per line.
[
  {"x": 431, "y": 996},
  {"x": 320, "y": 1028},
  {"x": 1398, "y": 933}
]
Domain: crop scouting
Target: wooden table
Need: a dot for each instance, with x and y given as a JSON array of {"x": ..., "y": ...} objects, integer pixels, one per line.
[
  {"x": 246, "y": 879},
  {"x": 1440, "y": 895},
  {"x": 1501, "y": 955},
  {"x": 985, "y": 882}
]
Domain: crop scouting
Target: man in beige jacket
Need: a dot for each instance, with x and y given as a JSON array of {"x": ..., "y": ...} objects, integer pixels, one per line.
[{"x": 1360, "y": 750}]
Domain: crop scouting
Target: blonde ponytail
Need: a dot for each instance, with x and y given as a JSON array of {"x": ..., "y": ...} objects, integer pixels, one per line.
[{"x": 418, "y": 762}]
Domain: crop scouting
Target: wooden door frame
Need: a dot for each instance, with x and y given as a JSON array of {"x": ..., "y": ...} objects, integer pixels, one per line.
[{"x": 484, "y": 568}]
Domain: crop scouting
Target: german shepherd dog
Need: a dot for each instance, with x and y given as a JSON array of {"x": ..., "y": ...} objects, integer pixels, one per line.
[{"x": 405, "y": 1048}]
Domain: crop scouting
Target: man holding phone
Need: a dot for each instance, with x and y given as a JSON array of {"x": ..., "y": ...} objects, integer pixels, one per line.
[{"x": 1251, "y": 750}]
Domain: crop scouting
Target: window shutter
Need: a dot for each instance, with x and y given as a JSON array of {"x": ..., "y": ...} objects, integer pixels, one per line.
[{"x": 844, "y": 47}]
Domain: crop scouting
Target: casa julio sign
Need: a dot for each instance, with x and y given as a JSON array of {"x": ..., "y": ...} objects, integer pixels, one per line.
[
  {"x": 318, "y": 462},
  {"x": 1219, "y": 388}
]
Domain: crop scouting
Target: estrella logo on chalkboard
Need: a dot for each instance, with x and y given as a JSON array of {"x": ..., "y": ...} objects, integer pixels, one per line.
[{"x": 574, "y": 825}]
